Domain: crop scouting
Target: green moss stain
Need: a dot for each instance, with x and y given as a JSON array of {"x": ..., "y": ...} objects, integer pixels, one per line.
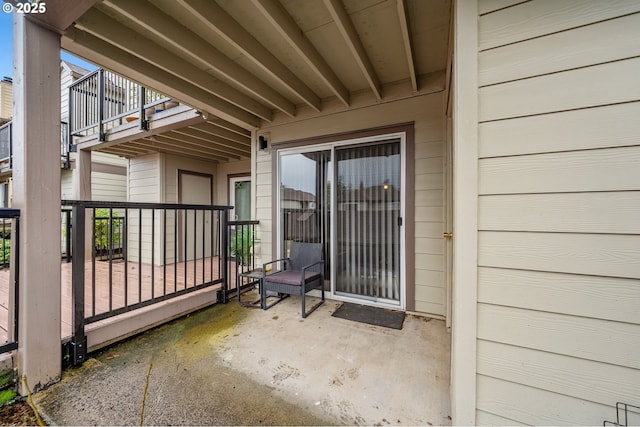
[
  {"x": 205, "y": 330},
  {"x": 190, "y": 336}
]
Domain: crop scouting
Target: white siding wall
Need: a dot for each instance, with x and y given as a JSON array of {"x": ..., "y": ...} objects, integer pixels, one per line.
[
  {"x": 173, "y": 163},
  {"x": 105, "y": 185},
  {"x": 171, "y": 166},
  {"x": 108, "y": 159},
  {"x": 66, "y": 184},
  {"x": 559, "y": 236},
  {"x": 144, "y": 176},
  {"x": 154, "y": 178},
  {"x": 66, "y": 79},
  {"x": 6, "y": 100},
  {"x": 427, "y": 112},
  {"x": 108, "y": 186},
  {"x": 144, "y": 179}
]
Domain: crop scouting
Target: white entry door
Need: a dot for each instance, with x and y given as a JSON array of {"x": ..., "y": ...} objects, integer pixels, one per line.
[{"x": 240, "y": 198}]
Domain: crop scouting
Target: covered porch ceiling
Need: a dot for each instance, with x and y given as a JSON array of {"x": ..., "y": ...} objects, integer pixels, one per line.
[{"x": 250, "y": 63}]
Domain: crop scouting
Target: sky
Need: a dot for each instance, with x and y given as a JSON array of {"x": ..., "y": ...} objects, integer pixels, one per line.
[{"x": 6, "y": 55}]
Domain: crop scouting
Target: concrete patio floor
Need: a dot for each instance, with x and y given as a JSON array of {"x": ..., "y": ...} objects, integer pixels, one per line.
[{"x": 232, "y": 365}]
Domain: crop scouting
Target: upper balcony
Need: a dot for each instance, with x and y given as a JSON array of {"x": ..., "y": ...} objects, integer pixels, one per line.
[{"x": 116, "y": 115}]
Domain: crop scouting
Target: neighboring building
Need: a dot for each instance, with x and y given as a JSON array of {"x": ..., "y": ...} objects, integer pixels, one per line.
[
  {"x": 108, "y": 172},
  {"x": 505, "y": 132},
  {"x": 6, "y": 111},
  {"x": 6, "y": 100}
]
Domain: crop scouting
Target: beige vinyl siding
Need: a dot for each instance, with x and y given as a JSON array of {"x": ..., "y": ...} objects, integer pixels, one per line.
[
  {"x": 108, "y": 187},
  {"x": 430, "y": 285},
  {"x": 262, "y": 182},
  {"x": 487, "y": 6},
  {"x": 66, "y": 79},
  {"x": 171, "y": 165},
  {"x": 427, "y": 115},
  {"x": 144, "y": 176},
  {"x": 144, "y": 179},
  {"x": 105, "y": 185},
  {"x": 108, "y": 159},
  {"x": 559, "y": 198},
  {"x": 109, "y": 184},
  {"x": 66, "y": 184},
  {"x": 6, "y": 100}
]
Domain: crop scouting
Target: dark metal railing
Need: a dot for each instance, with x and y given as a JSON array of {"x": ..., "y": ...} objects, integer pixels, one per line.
[
  {"x": 102, "y": 100},
  {"x": 9, "y": 258},
  {"x": 242, "y": 247},
  {"x": 65, "y": 148},
  {"x": 6, "y": 143},
  {"x": 141, "y": 254},
  {"x": 65, "y": 233}
]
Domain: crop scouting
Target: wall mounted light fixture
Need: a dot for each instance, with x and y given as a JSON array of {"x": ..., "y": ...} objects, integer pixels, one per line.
[{"x": 263, "y": 144}]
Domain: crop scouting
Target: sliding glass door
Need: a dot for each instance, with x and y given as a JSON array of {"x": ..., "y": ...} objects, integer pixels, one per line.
[
  {"x": 368, "y": 191},
  {"x": 304, "y": 200},
  {"x": 349, "y": 197}
]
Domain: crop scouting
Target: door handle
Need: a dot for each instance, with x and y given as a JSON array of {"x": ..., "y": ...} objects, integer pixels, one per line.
[{"x": 447, "y": 235}]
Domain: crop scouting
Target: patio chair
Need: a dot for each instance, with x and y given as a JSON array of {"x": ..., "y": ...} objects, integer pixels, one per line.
[{"x": 303, "y": 271}]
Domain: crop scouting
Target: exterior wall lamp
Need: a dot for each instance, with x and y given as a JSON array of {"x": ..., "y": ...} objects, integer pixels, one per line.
[{"x": 263, "y": 144}]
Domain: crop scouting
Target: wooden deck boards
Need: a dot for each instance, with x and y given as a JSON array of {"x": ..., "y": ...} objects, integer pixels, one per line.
[{"x": 138, "y": 287}]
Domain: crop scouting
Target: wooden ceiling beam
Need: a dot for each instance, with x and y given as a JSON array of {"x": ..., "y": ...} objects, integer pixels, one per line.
[
  {"x": 221, "y": 123},
  {"x": 406, "y": 38},
  {"x": 196, "y": 142},
  {"x": 120, "y": 149},
  {"x": 168, "y": 146},
  {"x": 111, "y": 57},
  {"x": 289, "y": 30},
  {"x": 198, "y": 51},
  {"x": 106, "y": 28},
  {"x": 231, "y": 31},
  {"x": 214, "y": 141},
  {"x": 60, "y": 14},
  {"x": 353, "y": 42},
  {"x": 223, "y": 133}
]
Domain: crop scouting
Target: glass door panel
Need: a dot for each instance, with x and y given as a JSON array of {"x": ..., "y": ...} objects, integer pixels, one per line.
[
  {"x": 241, "y": 199},
  {"x": 304, "y": 201},
  {"x": 368, "y": 203}
]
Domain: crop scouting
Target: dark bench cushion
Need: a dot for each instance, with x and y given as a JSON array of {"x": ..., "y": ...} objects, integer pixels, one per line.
[{"x": 292, "y": 277}]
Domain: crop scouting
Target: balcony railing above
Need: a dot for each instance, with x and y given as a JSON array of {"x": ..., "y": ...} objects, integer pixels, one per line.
[
  {"x": 103, "y": 100},
  {"x": 6, "y": 145}
]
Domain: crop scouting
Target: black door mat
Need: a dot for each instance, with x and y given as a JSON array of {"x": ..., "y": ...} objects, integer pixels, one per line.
[{"x": 371, "y": 315}]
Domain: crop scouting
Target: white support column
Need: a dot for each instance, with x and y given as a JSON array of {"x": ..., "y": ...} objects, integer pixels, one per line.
[
  {"x": 36, "y": 192},
  {"x": 465, "y": 213},
  {"x": 82, "y": 175},
  {"x": 82, "y": 191}
]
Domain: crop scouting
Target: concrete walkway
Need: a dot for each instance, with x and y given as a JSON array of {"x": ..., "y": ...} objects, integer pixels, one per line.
[{"x": 231, "y": 365}]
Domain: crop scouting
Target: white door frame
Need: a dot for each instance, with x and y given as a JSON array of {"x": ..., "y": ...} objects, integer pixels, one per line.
[{"x": 232, "y": 194}]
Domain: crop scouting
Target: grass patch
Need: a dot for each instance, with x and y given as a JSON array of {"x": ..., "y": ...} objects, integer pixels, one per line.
[
  {"x": 7, "y": 396},
  {"x": 6, "y": 378}
]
